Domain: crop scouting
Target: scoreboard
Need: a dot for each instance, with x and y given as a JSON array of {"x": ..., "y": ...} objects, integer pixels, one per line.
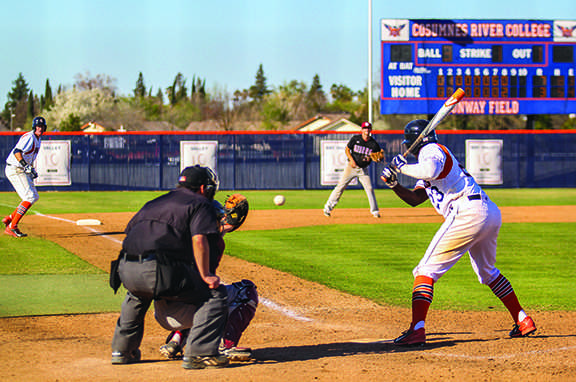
[{"x": 504, "y": 66}]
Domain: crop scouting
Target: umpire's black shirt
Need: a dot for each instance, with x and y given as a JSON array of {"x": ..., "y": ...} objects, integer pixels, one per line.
[{"x": 167, "y": 224}]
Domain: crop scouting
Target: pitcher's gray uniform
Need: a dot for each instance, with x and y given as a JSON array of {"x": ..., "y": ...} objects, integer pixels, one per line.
[{"x": 358, "y": 151}]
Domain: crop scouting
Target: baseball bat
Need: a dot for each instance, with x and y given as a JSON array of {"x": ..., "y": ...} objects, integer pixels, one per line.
[{"x": 438, "y": 117}]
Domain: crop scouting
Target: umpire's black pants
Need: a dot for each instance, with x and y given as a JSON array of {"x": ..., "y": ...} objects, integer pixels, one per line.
[{"x": 208, "y": 324}]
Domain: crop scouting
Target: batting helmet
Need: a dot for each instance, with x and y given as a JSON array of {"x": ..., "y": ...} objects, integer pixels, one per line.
[
  {"x": 39, "y": 121},
  {"x": 412, "y": 131}
]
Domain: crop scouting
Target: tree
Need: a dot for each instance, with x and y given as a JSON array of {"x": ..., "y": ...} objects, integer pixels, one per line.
[
  {"x": 71, "y": 123},
  {"x": 100, "y": 81},
  {"x": 221, "y": 109},
  {"x": 140, "y": 89},
  {"x": 316, "y": 98},
  {"x": 292, "y": 97},
  {"x": 87, "y": 105},
  {"x": 341, "y": 93},
  {"x": 198, "y": 93},
  {"x": 48, "y": 99},
  {"x": 259, "y": 90},
  {"x": 17, "y": 103},
  {"x": 160, "y": 96},
  {"x": 177, "y": 92},
  {"x": 31, "y": 109}
]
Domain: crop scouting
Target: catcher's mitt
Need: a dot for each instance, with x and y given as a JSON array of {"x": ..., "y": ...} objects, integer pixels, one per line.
[
  {"x": 377, "y": 156},
  {"x": 236, "y": 209}
]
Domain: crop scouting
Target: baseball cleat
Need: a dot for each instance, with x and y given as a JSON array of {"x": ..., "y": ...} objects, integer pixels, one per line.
[
  {"x": 7, "y": 220},
  {"x": 14, "y": 232},
  {"x": 237, "y": 353},
  {"x": 411, "y": 337},
  {"x": 376, "y": 214},
  {"x": 209, "y": 362},
  {"x": 119, "y": 358},
  {"x": 326, "y": 212},
  {"x": 524, "y": 328},
  {"x": 172, "y": 350}
]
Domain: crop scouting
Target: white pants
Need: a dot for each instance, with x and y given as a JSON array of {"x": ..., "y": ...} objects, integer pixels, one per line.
[
  {"x": 347, "y": 176},
  {"x": 472, "y": 226},
  {"x": 22, "y": 183}
]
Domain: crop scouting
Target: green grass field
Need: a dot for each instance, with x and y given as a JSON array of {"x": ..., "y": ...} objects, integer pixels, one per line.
[{"x": 374, "y": 260}]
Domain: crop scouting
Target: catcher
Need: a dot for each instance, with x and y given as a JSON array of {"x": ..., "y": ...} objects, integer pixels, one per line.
[
  {"x": 361, "y": 150},
  {"x": 242, "y": 295}
]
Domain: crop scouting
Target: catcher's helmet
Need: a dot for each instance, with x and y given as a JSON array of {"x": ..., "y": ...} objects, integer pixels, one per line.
[
  {"x": 39, "y": 121},
  {"x": 195, "y": 176},
  {"x": 412, "y": 131}
]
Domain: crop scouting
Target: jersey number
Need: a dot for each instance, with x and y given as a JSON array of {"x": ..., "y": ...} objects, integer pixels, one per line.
[{"x": 436, "y": 196}]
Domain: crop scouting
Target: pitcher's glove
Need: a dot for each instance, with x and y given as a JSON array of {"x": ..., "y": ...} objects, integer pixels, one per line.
[
  {"x": 235, "y": 209},
  {"x": 377, "y": 156}
]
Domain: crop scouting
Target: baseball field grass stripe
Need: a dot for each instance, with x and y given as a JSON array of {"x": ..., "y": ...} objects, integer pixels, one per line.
[
  {"x": 369, "y": 260},
  {"x": 376, "y": 260},
  {"x": 112, "y": 201}
]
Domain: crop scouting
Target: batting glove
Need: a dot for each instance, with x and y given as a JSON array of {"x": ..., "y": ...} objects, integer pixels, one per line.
[
  {"x": 29, "y": 170},
  {"x": 399, "y": 161},
  {"x": 389, "y": 176}
]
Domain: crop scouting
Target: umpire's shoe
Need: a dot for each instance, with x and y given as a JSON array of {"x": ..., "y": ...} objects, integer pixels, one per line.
[
  {"x": 205, "y": 362},
  {"x": 119, "y": 358},
  {"x": 236, "y": 353},
  {"x": 411, "y": 337}
]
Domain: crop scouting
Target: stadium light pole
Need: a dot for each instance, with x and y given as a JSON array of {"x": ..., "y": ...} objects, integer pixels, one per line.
[{"x": 370, "y": 61}]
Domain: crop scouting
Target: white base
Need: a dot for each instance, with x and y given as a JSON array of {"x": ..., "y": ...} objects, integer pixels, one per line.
[{"x": 88, "y": 222}]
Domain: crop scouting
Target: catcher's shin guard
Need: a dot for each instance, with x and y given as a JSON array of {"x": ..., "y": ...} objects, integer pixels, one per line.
[{"x": 242, "y": 303}]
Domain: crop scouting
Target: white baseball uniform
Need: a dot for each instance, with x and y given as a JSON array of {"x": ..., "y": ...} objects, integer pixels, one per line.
[
  {"x": 472, "y": 220},
  {"x": 29, "y": 143}
]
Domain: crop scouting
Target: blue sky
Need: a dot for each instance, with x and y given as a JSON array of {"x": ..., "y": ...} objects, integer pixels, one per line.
[{"x": 221, "y": 41}]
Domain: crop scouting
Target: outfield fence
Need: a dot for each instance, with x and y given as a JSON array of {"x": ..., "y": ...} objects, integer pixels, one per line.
[{"x": 285, "y": 160}]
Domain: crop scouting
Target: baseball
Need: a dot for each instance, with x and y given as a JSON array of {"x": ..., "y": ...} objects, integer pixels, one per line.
[{"x": 279, "y": 200}]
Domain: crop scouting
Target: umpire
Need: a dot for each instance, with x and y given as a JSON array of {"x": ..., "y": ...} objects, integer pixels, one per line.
[{"x": 169, "y": 254}]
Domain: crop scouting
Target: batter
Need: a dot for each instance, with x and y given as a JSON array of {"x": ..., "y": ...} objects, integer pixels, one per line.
[
  {"x": 472, "y": 223},
  {"x": 21, "y": 174}
]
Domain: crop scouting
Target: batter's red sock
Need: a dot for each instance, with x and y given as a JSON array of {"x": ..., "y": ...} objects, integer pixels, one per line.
[
  {"x": 502, "y": 288},
  {"x": 422, "y": 295},
  {"x": 19, "y": 212}
]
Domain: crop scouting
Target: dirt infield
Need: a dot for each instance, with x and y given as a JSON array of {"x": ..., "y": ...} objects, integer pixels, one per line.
[{"x": 302, "y": 331}]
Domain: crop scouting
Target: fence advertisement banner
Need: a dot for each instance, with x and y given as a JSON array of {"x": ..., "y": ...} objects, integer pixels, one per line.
[
  {"x": 53, "y": 164},
  {"x": 484, "y": 160},
  {"x": 203, "y": 153},
  {"x": 333, "y": 162}
]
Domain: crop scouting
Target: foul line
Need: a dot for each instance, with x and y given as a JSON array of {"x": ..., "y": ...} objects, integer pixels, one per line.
[{"x": 266, "y": 302}]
